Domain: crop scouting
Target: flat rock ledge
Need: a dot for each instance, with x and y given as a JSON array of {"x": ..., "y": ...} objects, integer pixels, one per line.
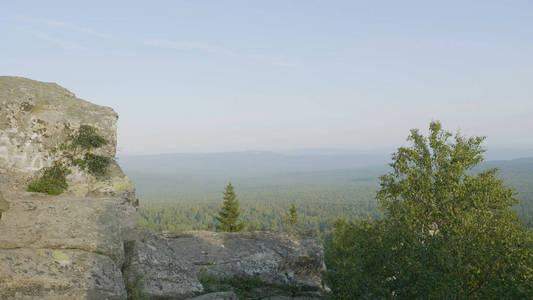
[{"x": 254, "y": 265}]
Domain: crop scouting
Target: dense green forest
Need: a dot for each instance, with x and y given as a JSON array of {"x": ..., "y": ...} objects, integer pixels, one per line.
[{"x": 178, "y": 201}]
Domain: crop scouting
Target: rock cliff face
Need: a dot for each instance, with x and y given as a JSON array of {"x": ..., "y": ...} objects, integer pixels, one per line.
[
  {"x": 36, "y": 118},
  {"x": 259, "y": 265},
  {"x": 67, "y": 246},
  {"x": 82, "y": 243}
]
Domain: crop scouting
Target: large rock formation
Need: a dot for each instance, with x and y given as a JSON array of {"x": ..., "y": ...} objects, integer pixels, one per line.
[
  {"x": 58, "y": 246},
  {"x": 180, "y": 265},
  {"x": 82, "y": 243},
  {"x": 36, "y": 118}
]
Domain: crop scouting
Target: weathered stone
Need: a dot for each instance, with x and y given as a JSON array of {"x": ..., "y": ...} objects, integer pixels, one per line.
[
  {"x": 41, "y": 222},
  {"x": 217, "y": 296},
  {"x": 163, "y": 274},
  {"x": 170, "y": 266},
  {"x": 68, "y": 246},
  {"x": 37, "y": 118},
  {"x": 4, "y": 205},
  {"x": 58, "y": 273}
]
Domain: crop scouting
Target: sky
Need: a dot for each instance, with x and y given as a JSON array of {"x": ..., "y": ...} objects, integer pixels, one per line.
[{"x": 220, "y": 76}]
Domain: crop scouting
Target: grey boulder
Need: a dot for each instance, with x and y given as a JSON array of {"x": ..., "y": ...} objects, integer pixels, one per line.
[{"x": 173, "y": 266}]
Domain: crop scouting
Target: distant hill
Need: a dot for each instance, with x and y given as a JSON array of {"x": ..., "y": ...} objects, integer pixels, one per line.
[
  {"x": 176, "y": 173},
  {"x": 183, "y": 191},
  {"x": 248, "y": 162}
]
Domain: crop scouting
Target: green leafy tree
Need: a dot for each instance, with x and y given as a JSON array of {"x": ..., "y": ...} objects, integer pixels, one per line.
[
  {"x": 228, "y": 216},
  {"x": 292, "y": 216},
  {"x": 447, "y": 233}
]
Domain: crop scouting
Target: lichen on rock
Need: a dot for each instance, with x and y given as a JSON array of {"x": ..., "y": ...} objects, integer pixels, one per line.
[
  {"x": 67, "y": 246},
  {"x": 37, "y": 117},
  {"x": 260, "y": 264},
  {"x": 37, "y": 122},
  {"x": 4, "y": 205}
]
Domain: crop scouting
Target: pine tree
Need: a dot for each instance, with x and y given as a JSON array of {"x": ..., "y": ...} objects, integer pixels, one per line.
[
  {"x": 228, "y": 216},
  {"x": 292, "y": 216}
]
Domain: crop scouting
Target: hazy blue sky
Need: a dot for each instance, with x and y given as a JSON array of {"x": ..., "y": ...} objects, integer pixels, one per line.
[{"x": 208, "y": 76}]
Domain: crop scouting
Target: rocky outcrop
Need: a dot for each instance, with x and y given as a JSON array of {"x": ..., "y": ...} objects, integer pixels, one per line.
[
  {"x": 82, "y": 244},
  {"x": 71, "y": 245},
  {"x": 36, "y": 117},
  {"x": 181, "y": 265}
]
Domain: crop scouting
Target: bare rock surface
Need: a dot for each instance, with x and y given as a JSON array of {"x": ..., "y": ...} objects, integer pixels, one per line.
[
  {"x": 4, "y": 205},
  {"x": 68, "y": 246},
  {"x": 58, "y": 273},
  {"x": 277, "y": 260},
  {"x": 65, "y": 222},
  {"x": 37, "y": 116}
]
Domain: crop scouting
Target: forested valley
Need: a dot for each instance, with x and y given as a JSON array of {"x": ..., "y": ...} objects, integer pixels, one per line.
[{"x": 176, "y": 201}]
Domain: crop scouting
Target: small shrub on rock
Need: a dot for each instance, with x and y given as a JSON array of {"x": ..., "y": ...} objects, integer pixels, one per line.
[
  {"x": 135, "y": 288},
  {"x": 95, "y": 164},
  {"x": 87, "y": 139},
  {"x": 53, "y": 180}
]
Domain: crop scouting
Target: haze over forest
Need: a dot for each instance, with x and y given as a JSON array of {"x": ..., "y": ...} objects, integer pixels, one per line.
[
  {"x": 184, "y": 191},
  {"x": 226, "y": 76}
]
